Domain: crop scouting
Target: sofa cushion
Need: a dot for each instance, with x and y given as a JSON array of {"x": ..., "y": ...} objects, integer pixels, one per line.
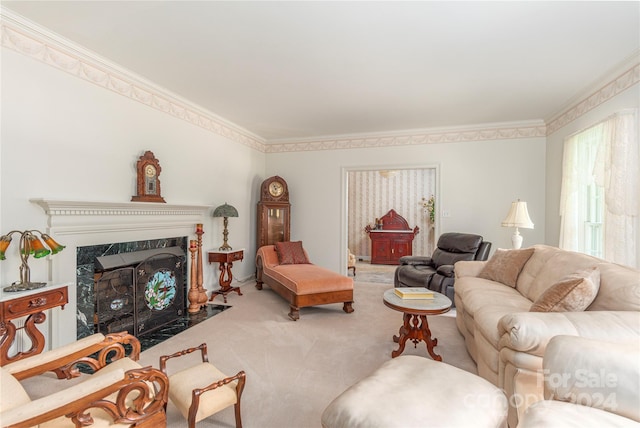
[
  {"x": 488, "y": 317},
  {"x": 549, "y": 265},
  {"x": 305, "y": 279},
  {"x": 570, "y": 357},
  {"x": 445, "y": 270},
  {"x": 548, "y": 413},
  {"x": 414, "y": 275},
  {"x": 466, "y": 285},
  {"x": 619, "y": 289},
  {"x": 573, "y": 293},
  {"x": 291, "y": 253},
  {"x": 415, "y": 260},
  {"x": 459, "y": 242},
  {"x": 505, "y": 265},
  {"x": 12, "y": 392}
]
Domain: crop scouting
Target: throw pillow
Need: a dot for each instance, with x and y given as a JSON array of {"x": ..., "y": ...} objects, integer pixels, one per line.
[
  {"x": 291, "y": 253},
  {"x": 505, "y": 265},
  {"x": 573, "y": 293}
]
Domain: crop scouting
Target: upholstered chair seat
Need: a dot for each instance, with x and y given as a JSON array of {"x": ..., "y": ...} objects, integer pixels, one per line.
[{"x": 202, "y": 390}]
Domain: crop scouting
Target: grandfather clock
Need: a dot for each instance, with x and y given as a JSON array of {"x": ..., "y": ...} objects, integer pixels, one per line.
[{"x": 274, "y": 212}]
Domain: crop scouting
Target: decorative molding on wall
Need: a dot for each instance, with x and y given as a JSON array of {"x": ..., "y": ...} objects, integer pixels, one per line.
[
  {"x": 605, "y": 93},
  {"x": 27, "y": 38},
  {"x": 433, "y": 136}
]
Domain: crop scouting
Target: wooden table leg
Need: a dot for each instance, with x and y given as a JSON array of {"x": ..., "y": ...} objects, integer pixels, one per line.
[
  {"x": 8, "y": 332},
  {"x": 225, "y": 282},
  {"x": 415, "y": 328}
]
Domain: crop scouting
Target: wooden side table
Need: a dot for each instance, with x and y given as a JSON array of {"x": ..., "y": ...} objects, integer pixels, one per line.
[
  {"x": 414, "y": 320},
  {"x": 226, "y": 259},
  {"x": 30, "y": 304}
]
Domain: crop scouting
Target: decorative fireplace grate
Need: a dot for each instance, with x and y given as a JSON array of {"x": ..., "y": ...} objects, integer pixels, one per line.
[{"x": 139, "y": 291}]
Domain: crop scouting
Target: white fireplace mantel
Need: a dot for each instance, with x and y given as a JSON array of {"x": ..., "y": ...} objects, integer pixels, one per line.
[
  {"x": 55, "y": 209},
  {"x": 83, "y": 223}
]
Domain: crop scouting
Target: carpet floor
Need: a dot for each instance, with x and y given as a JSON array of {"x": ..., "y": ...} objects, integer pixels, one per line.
[
  {"x": 366, "y": 272},
  {"x": 295, "y": 369}
]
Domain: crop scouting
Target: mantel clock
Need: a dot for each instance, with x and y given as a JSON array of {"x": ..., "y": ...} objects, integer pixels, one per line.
[
  {"x": 148, "y": 181},
  {"x": 274, "y": 209}
]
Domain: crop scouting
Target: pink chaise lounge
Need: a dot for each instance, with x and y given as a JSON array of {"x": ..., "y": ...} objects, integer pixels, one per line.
[{"x": 302, "y": 284}]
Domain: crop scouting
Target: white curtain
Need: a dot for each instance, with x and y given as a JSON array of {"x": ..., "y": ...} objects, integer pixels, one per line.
[{"x": 616, "y": 169}]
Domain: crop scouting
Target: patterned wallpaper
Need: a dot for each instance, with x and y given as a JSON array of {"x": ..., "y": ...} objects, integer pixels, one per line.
[{"x": 371, "y": 195}]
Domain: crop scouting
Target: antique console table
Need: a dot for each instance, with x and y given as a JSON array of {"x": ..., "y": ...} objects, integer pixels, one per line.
[
  {"x": 30, "y": 304},
  {"x": 391, "y": 239},
  {"x": 226, "y": 259}
]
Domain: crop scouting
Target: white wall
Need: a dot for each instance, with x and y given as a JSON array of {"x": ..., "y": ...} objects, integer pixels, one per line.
[
  {"x": 478, "y": 182},
  {"x": 65, "y": 138},
  {"x": 630, "y": 98}
]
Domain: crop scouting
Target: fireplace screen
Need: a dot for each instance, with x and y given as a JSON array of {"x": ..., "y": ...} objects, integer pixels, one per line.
[{"x": 143, "y": 297}]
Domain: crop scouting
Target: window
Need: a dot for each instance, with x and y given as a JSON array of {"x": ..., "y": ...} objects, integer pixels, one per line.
[
  {"x": 593, "y": 233},
  {"x": 600, "y": 187},
  {"x": 582, "y": 230}
]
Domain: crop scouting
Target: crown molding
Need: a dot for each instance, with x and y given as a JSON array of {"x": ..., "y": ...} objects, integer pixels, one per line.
[
  {"x": 408, "y": 138},
  {"x": 607, "y": 91},
  {"x": 28, "y": 38}
]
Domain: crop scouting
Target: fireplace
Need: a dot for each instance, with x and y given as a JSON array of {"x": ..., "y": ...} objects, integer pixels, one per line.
[
  {"x": 79, "y": 224},
  {"x": 134, "y": 286}
]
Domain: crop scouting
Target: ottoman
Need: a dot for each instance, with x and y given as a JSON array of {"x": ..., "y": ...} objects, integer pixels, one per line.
[{"x": 411, "y": 391}]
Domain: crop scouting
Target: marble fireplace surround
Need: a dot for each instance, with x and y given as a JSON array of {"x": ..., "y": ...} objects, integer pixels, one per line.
[{"x": 84, "y": 223}]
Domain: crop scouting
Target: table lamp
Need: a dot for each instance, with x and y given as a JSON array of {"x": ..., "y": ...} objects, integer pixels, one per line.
[
  {"x": 225, "y": 211},
  {"x": 518, "y": 216},
  {"x": 30, "y": 244}
]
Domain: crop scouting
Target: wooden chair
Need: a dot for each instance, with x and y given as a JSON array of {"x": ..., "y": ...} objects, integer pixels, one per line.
[
  {"x": 93, "y": 352},
  {"x": 119, "y": 392},
  {"x": 351, "y": 262},
  {"x": 203, "y": 390}
]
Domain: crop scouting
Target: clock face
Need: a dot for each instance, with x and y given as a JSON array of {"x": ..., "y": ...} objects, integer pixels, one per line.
[
  {"x": 150, "y": 171},
  {"x": 276, "y": 189}
]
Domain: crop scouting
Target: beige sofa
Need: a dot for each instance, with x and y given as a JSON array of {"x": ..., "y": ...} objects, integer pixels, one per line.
[
  {"x": 588, "y": 384},
  {"x": 508, "y": 342}
]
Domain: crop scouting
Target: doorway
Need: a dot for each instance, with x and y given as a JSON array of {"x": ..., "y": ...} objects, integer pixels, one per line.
[{"x": 370, "y": 192}]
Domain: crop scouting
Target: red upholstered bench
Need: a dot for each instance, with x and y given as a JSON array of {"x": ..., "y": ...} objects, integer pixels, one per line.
[{"x": 302, "y": 284}]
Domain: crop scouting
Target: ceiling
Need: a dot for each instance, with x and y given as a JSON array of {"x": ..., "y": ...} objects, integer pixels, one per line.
[{"x": 303, "y": 70}]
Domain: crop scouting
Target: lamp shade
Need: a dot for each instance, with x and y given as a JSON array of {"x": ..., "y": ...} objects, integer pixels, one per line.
[
  {"x": 225, "y": 210},
  {"x": 518, "y": 216}
]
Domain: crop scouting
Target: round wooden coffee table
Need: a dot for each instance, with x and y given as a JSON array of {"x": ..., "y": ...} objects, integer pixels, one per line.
[{"x": 415, "y": 326}]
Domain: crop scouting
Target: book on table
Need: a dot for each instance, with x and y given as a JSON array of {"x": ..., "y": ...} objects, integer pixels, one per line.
[{"x": 413, "y": 293}]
